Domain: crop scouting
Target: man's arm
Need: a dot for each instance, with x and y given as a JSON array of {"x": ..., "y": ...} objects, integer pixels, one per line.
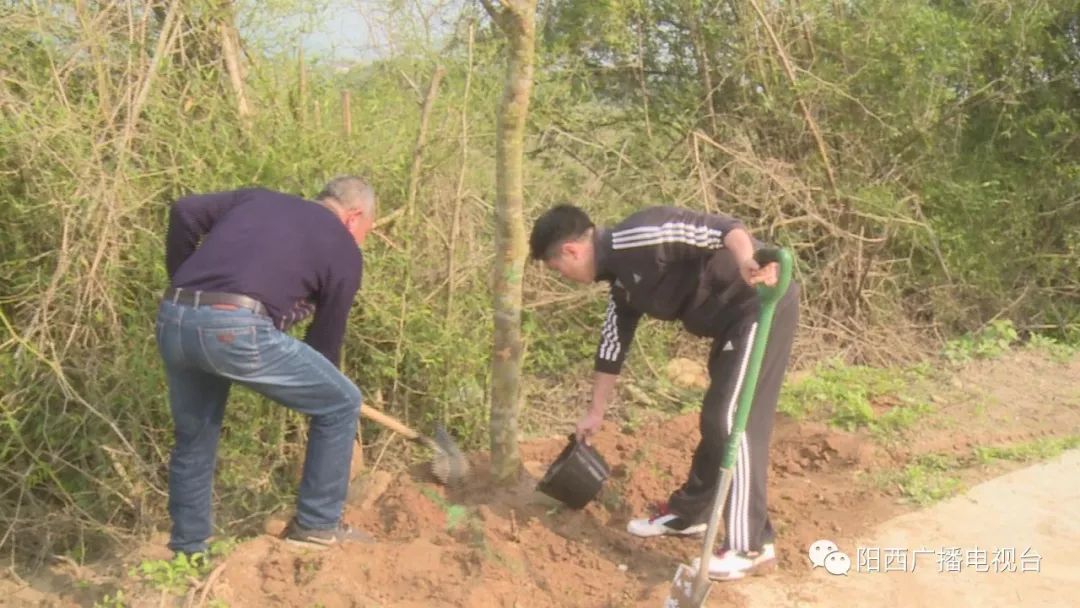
[
  {"x": 682, "y": 234},
  {"x": 741, "y": 246},
  {"x": 739, "y": 243},
  {"x": 603, "y": 387},
  {"x": 327, "y": 330},
  {"x": 677, "y": 234},
  {"x": 616, "y": 336},
  {"x": 191, "y": 218},
  {"x": 617, "y": 333}
]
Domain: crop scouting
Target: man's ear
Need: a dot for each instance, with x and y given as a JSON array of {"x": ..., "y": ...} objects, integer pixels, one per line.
[{"x": 571, "y": 248}]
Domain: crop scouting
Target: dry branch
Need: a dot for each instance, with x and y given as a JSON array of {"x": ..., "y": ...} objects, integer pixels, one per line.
[
  {"x": 807, "y": 115},
  {"x": 421, "y": 136},
  {"x": 459, "y": 192}
]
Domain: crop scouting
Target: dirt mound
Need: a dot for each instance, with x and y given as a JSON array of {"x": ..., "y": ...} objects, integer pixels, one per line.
[{"x": 483, "y": 545}]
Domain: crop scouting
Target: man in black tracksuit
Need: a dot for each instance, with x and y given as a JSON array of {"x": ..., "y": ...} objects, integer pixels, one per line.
[{"x": 676, "y": 264}]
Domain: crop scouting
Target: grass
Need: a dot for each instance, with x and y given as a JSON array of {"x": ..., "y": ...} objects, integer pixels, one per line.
[
  {"x": 844, "y": 396},
  {"x": 899, "y": 418},
  {"x": 932, "y": 477},
  {"x": 112, "y": 600},
  {"x": 991, "y": 342},
  {"x": 1058, "y": 352},
  {"x": 998, "y": 338},
  {"x": 1039, "y": 449},
  {"x": 632, "y": 421},
  {"x": 177, "y": 574},
  {"x": 925, "y": 481}
]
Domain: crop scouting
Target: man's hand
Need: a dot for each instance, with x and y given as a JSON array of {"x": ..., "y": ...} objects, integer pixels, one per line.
[
  {"x": 753, "y": 273},
  {"x": 589, "y": 425},
  {"x": 739, "y": 243}
]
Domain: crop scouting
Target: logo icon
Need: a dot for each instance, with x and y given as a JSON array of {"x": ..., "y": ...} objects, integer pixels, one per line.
[
  {"x": 825, "y": 554},
  {"x": 838, "y": 563},
  {"x": 820, "y": 550}
]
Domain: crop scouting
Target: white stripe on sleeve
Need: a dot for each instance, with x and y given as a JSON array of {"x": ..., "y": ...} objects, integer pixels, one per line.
[
  {"x": 669, "y": 232},
  {"x": 609, "y": 345}
]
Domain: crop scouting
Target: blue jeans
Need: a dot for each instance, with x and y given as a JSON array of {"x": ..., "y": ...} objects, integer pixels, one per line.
[{"x": 205, "y": 350}]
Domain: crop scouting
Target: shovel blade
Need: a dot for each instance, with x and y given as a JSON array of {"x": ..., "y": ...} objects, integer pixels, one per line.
[
  {"x": 684, "y": 594},
  {"x": 449, "y": 465}
]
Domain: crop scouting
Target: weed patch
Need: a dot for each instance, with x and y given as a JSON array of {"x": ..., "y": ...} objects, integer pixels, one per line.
[
  {"x": 843, "y": 395},
  {"x": 990, "y": 343},
  {"x": 177, "y": 574},
  {"x": 1041, "y": 449},
  {"x": 926, "y": 481}
]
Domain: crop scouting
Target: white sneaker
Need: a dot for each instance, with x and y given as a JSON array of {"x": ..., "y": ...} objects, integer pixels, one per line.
[
  {"x": 732, "y": 565},
  {"x": 661, "y": 524}
]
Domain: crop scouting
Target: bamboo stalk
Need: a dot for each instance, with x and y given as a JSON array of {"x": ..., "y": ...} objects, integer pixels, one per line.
[
  {"x": 301, "y": 102},
  {"x": 455, "y": 223},
  {"x": 414, "y": 181},
  {"x": 704, "y": 73},
  {"x": 641, "y": 76},
  {"x": 421, "y": 137},
  {"x": 104, "y": 85},
  {"x": 167, "y": 37},
  {"x": 346, "y": 113},
  {"x": 230, "y": 48}
]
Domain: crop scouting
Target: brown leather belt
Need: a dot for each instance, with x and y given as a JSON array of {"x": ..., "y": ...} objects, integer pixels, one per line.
[{"x": 196, "y": 298}]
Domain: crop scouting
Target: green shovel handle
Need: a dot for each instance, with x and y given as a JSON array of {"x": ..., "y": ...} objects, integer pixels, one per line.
[
  {"x": 768, "y": 296},
  {"x": 782, "y": 257}
]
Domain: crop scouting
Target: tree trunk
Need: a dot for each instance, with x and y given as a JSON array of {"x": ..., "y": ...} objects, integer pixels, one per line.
[{"x": 517, "y": 19}]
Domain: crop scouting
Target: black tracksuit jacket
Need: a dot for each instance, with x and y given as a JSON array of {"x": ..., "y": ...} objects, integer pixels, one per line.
[{"x": 670, "y": 264}]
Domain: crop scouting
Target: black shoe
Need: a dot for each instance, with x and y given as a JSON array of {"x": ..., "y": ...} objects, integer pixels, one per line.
[{"x": 321, "y": 538}]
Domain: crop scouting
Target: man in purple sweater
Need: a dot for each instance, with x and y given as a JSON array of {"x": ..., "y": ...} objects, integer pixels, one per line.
[{"x": 244, "y": 266}]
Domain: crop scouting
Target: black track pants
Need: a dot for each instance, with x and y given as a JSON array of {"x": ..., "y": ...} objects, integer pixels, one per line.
[{"x": 746, "y": 517}]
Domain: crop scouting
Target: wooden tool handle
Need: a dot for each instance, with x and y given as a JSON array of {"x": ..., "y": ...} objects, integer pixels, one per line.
[{"x": 388, "y": 421}]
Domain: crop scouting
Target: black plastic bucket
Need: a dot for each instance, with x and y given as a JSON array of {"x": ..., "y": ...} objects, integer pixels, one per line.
[{"x": 576, "y": 476}]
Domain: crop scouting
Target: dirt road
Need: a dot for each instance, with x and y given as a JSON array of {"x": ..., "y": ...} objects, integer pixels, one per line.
[{"x": 1034, "y": 511}]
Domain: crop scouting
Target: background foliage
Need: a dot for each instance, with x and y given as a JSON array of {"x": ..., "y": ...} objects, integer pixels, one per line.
[{"x": 920, "y": 157}]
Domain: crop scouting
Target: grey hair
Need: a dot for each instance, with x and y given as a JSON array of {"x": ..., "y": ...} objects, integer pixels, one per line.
[{"x": 350, "y": 192}]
